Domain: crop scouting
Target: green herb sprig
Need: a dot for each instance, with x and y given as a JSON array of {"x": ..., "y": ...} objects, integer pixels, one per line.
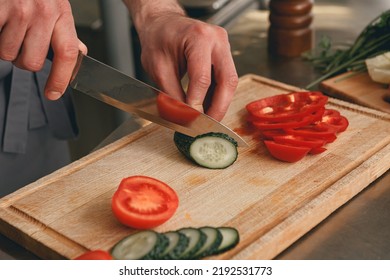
[{"x": 372, "y": 41}]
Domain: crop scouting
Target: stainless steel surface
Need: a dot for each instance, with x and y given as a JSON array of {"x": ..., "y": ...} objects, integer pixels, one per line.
[
  {"x": 361, "y": 228},
  {"x": 110, "y": 86}
]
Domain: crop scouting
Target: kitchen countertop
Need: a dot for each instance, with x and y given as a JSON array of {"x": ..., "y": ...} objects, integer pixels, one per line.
[{"x": 360, "y": 228}]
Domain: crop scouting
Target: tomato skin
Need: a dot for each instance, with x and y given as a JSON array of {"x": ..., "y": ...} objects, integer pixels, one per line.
[
  {"x": 285, "y": 107},
  {"x": 95, "y": 255},
  {"x": 317, "y": 131},
  {"x": 143, "y": 202},
  {"x": 294, "y": 123},
  {"x": 286, "y": 153},
  {"x": 338, "y": 123},
  {"x": 172, "y": 110},
  {"x": 299, "y": 141}
]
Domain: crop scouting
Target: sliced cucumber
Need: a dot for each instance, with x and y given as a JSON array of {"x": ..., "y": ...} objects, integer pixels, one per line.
[
  {"x": 213, "y": 240},
  {"x": 196, "y": 240},
  {"x": 212, "y": 150},
  {"x": 185, "y": 243},
  {"x": 178, "y": 242},
  {"x": 230, "y": 238},
  {"x": 141, "y": 245}
]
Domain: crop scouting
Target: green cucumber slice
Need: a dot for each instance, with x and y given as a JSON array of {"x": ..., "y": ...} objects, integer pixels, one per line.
[
  {"x": 142, "y": 245},
  {"x": 212, "y": 150},
  {"x": 196, "y": 240},
  {"x": 230, "y": 238},
  {"x": 178, "y": 242},
  {"x": 213, "y": 241}
]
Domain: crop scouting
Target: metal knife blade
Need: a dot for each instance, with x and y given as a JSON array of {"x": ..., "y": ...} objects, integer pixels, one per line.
[{"x": 110, "y": 86}]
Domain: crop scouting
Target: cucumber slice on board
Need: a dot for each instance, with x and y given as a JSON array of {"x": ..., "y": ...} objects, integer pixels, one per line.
[
  {"x": 178, "y": 242},
  {"x": 212, "y": 150},
  {"x": 213, "y": 241},
  {"x": 142, "y": 245},
  {"x": 196, "y": 240},
  {"x": 230, "y": 238}
]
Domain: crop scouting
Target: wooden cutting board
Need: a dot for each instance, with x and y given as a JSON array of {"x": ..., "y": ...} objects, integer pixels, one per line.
[
  {"x": 271, "y": 203},
  {"x": 360, "y": 89}
]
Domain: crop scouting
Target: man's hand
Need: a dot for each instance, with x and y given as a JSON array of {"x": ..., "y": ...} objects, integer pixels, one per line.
[
  {"x": 29, "y": 27},
  {"x": 173, "y": 44}
]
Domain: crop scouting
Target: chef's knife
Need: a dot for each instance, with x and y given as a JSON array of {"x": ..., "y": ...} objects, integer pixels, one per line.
[{"x": 133, "y": 96}]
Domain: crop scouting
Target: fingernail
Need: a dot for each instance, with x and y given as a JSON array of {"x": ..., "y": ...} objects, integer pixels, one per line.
[{"x": 54, "y": 95}]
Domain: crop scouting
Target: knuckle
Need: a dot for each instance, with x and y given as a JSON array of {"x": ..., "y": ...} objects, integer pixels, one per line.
[
  {"x": 45, "y": 10},
  {"x": 201, "y": 29},
  {"x": 68, "y": 51},
  {"x": 22, "y": 14},
  {"x": 203, "y": 81},
  {"x": 232, "y": 81},
  {"x": 8, "y": 53},
  {"x": 32, "y": 65}
]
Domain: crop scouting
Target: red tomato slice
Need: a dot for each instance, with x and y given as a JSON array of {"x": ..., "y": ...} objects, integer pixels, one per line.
[
  {"x": 95, "y": 255},
  {"x": 318, "y": 130},
  {"x": 143, "y": 202},
  {"x": 306, "y": 120},
  {"x": 284, "y": 107},
  {"x": 270, "y": 134},
  {"x": 286, "y": 153},
  {"x": 172, "y": 110},
  {"x": 339, "y": 123},
  {"x": 316, "y": 151},
  {"x": 299, "y": 141},
  {"x": 331, "y": 113}
]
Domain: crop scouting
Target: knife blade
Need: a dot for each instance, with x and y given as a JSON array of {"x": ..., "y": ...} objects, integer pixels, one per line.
[{"x": 112, "y": 87}]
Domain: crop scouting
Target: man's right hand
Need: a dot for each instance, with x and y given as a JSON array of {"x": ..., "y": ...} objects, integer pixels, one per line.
[{"x": 29, "y": 27}]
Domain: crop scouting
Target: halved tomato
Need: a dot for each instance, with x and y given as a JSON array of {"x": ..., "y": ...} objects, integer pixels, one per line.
[
  {"x": 286, "y": 153},
  {"x": 285, "y": 107},
  {"x": 175, "y": 111},
  {"x": 143, "y": 202},
  {"x": 95, "y": 255}
]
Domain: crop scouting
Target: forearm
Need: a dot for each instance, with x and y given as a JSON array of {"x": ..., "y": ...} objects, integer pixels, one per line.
[{"x": 142, "y": 11}]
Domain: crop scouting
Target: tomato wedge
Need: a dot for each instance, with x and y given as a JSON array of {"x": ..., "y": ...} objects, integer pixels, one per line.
[
  {"x": 95, "y": 255},
  {"x": 175, "y": 111},
  {"x": 285, "y": 107},
  {"x": 286, "y": 153},
  {"x": 143, "y": 202}
]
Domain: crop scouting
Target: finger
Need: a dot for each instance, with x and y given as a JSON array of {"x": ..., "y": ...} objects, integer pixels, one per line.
[
  {"x": 226, "y": 81},
  {"x": 83, "y": 48},
  {"x": 165, "y": 74},
  {"x": 65, "y": 45},
  {"x": 11, "y": 39},
  {"x": 35, "y": 46},
  {"x": 199, "y": 75}
]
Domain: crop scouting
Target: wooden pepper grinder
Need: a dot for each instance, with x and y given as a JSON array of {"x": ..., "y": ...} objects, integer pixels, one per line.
[{"x": 290, "y": 32}]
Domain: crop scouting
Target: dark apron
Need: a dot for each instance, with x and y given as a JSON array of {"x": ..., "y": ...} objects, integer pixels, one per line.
[{"x": 33, "y": 129}]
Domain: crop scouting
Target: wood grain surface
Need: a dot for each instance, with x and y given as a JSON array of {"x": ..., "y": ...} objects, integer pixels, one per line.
[
  {"x": 271, "y": 203},
  {"x": 360, "y": 89}
]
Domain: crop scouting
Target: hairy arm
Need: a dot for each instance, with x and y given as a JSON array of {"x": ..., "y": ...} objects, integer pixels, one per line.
[{"x": 174, "y": 44}]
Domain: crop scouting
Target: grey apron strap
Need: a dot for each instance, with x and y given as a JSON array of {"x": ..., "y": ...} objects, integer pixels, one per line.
[
  {"x": 60, "y": 113},
  {"x": 15, "y": 131}
]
